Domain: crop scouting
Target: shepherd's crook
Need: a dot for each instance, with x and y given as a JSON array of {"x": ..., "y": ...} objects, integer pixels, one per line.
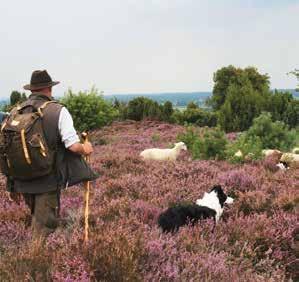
[{"x": 86, "y": 196}]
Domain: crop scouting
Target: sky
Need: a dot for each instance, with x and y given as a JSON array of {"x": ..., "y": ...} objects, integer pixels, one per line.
[{"x": 145, "y": 46}]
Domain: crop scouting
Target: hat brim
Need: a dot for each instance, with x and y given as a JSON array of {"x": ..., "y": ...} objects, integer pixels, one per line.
[{"x": 40, "y": 86}]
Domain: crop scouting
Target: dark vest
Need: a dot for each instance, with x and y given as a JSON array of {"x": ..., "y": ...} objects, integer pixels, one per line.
[{"x": 70, "y": 168}]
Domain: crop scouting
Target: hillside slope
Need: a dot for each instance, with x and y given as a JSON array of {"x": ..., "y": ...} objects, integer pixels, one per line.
[{"x": 254, "y": 240}]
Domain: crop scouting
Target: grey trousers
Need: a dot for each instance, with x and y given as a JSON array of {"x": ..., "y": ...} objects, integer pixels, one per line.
[{"x": 44, "y": 211}]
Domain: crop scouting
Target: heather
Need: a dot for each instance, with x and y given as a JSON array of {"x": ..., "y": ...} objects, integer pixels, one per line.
[{"x": 254, "y": 240}]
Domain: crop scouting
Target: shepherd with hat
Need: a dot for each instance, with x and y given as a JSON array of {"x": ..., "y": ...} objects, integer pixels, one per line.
[{"x": 42, "y": 194}]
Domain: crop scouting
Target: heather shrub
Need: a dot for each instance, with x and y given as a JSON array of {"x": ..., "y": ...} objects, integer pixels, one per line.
[
  {"x": 89, "y": 109},
  {"x": 253, "y": 241},
  {"x": 239, "y": 179},
  {"x": 270, "y": 162},
  {"x": 32, "y": 262},
  {"x": 114, "y": 256}
]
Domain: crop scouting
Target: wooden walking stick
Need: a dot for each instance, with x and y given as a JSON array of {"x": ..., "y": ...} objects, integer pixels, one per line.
[{"x": 86, "y": 195}]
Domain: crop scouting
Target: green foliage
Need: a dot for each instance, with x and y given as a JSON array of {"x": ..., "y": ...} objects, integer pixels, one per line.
[
  {"x": 167, "y": 111},
  {"x": 89, "y": 109},
  {"x": 208, "y": 145},
  {"x": 263, "y": 134},
  {"x": 188, "y": 137},
  {"x": 283, "y": 107},
  {"x": 273, "y": 135},
  {"x": 295, "y": 72},
  {"x": 241, "y": 106},
  {"x": 155, "y": 137},
  {"x": 250, "y": 146},
  {"x": 192, "y": 105},
  {"x": 141, "y": 108},
  {"x": 15, "y": 97},
  {"x": 278, "y": 103},
  {"x": 195, "y": 115},
  {"x": 227, "y": 76},
  {"x": 291, "y": 115}
]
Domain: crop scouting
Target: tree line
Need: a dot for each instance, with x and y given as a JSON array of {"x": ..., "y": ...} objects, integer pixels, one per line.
[{"x": 238, "y": 97}]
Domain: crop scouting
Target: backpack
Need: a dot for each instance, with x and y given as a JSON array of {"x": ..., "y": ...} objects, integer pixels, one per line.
[{"x": 24, "y": 152}]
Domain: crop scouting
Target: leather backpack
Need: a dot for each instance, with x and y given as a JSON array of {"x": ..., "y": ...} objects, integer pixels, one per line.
[{"x": 24, "y": 152}]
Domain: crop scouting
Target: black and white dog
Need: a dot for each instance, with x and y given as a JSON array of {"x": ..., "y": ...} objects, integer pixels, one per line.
[{"x": 210, "y": 206}]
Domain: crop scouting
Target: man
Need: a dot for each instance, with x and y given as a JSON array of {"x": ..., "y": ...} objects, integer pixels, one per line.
[{"x": 42, "y": 195}]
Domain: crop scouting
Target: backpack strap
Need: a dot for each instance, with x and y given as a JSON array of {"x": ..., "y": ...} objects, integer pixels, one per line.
[
  {"x": 20, "y": 108},
  {"x": 44, "y": 105}
]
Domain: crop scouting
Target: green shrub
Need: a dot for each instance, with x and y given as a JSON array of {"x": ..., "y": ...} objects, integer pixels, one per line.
[
  {"x": 195, "y": 115},
  {"x": 89, "y": 109},
  {"x": 251, "y": 148},
  {"x": 273, "y": 135},
  {"x": 141, "y": 108},
  {"x": 189, "y": 137},
  {"x": 263, "y": 134},
  {"x": 167, "y": 111},
  {"x": 210, "y": 144},
  {"x": 155, "y": 137}
]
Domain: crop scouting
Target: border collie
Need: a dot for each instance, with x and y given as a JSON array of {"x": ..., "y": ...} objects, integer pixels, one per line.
[
  {"x": 210, "y": 206},
  {"x": 282, "y": 166}
]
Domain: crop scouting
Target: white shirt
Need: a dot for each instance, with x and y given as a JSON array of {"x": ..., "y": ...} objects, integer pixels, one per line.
[{"x": 66, "y": 128}]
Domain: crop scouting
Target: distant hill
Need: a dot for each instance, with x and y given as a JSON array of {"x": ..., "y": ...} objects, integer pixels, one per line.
[{"x": 178, "y": 99}]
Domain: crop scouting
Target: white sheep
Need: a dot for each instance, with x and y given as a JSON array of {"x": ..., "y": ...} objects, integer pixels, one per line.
[
  {"x": 238, "y": 154},
  {"x": 290, "y": 158},
  {"x": 268, "y": 152},
  {"x": 163, "y": 154}
]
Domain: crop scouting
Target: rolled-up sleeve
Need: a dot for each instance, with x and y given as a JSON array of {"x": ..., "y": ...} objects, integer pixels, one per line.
[{"x": 66, "y": 128}]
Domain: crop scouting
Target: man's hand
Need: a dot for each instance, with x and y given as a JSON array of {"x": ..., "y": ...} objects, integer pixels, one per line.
[
  {"x": 87, "y": 147},
  {"x": 82, "y": 149}
]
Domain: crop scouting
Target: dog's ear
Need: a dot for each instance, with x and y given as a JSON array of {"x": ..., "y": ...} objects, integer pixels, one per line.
[
  {"x": 220, "y": 194},
  {"x": 217, "y": 188}
]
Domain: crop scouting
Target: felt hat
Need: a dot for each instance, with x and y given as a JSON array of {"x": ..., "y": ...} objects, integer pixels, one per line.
[{"x": 40, "y": 79}]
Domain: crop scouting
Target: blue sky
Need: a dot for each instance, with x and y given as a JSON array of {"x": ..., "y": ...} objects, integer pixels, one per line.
[{"x": 137, "y": 46}]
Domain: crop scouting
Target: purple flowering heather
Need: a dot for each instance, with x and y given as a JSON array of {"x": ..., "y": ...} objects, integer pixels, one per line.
[{"x": 253, "y": 241}]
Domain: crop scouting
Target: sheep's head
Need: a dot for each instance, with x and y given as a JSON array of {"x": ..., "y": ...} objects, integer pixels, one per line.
[{"x": 181, "y": 146}]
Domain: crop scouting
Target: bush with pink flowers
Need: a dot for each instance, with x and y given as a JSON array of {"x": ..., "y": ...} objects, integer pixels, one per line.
[{"x": 254, "y": 240}]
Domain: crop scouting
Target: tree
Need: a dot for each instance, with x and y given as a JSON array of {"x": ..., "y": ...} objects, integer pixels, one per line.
[
  {"x": 192, "y": 105},
  {"x": 291, "y": 115},
  {"x": 227, "y": 76},
  {"x": 295, "y": 73},
  {"x": 242, "y": 104},
  {"x": 167, "y": 110},
  {"x": 142, "y": 107},
  {"x": 278, "y": 103},
  {"x": 15, "y": 97}
]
